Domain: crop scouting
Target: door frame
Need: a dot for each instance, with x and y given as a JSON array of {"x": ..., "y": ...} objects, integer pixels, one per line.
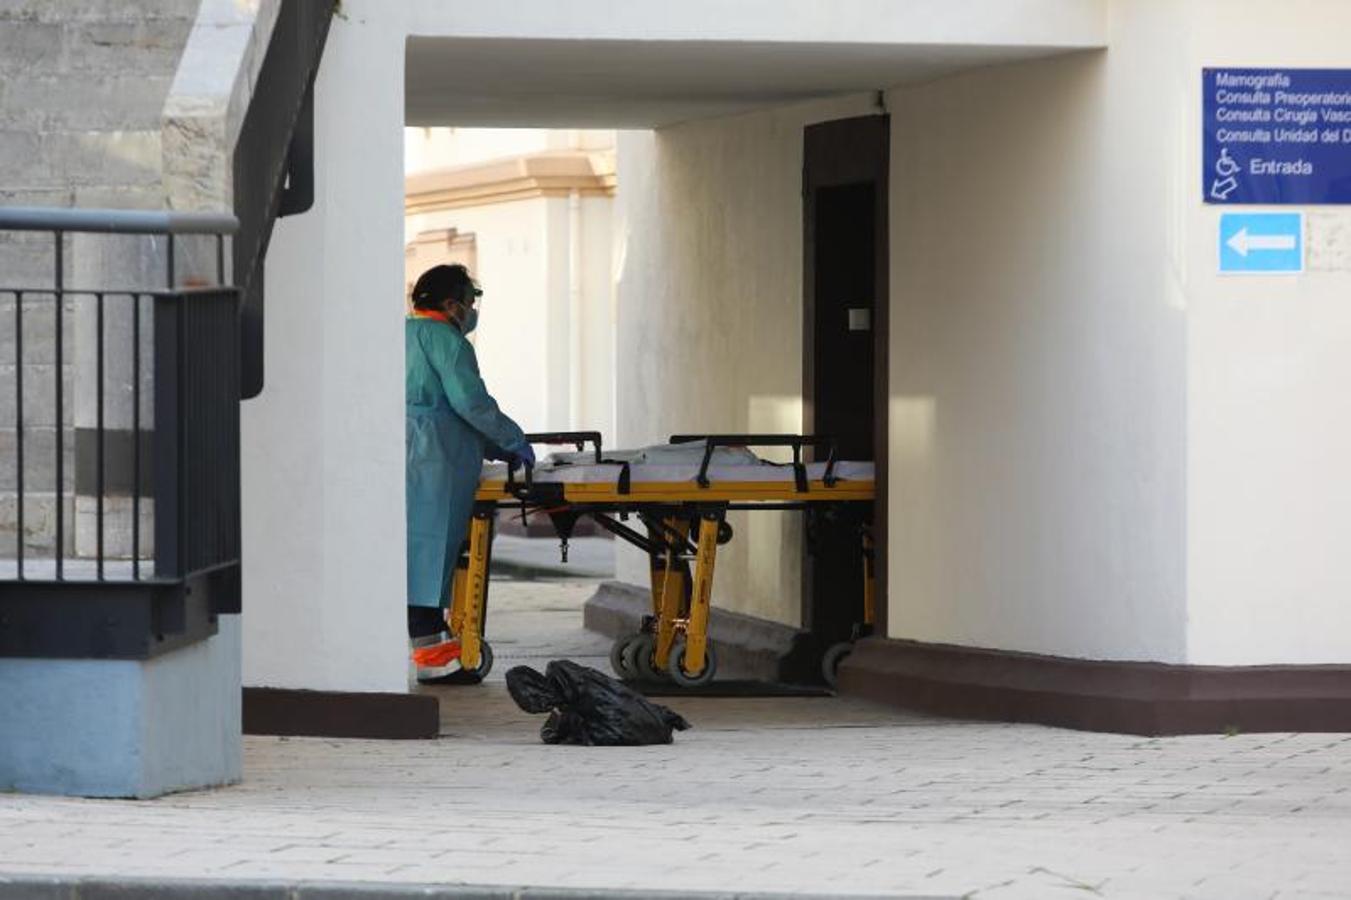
[{"x": 835, "y": 153}]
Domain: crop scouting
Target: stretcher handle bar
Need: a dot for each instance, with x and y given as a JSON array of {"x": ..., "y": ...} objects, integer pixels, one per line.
[
  {"x": 577, "y": 439},
  {"x": 796, "y": 441},
  {"x": 528, "y": 471}
]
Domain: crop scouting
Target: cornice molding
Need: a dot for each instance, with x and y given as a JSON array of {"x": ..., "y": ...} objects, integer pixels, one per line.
[{"x": 555, "y": 173}]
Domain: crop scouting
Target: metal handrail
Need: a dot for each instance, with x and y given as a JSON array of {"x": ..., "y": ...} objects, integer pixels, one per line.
[
  {"x": 115, "y": 221},
  {"x": 59, "y": 222},
  {"x": 273, "y": 160}
]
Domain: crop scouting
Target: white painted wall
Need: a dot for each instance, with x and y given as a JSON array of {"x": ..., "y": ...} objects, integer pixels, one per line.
[
  {"x": 1269, "y": 424},
  {"x": 1100, "y": 448},
  {"x": 1040, "y": 23},
  {"x": 323, "y": 446},
  {"x": 323, "y": 478},
  {"x": 594, "y": 369},
  {"x": 1038, "y": 361},
  {"x": 710, "y": 313},
  {"x": 1000, "y": 498}
]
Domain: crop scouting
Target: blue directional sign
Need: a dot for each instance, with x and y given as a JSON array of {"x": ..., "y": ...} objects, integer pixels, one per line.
[
  {"x": 1276, "y": 136},
  {"x": 1270, "y": 243}
]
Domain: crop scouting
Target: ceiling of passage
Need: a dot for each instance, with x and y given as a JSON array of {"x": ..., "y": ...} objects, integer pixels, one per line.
[{"x": 496, "y": 82}]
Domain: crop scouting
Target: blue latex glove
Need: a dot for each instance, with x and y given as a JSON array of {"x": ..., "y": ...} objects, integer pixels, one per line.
[{"x": 526, "y": 456}]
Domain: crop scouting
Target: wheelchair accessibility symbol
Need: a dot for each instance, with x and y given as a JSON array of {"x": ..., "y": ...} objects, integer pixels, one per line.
[{"x": 1225, "y": 170}]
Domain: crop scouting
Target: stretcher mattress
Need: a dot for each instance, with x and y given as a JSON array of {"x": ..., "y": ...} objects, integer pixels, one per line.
[
  {"x": 608, "y": 473},
  {"x": 670, "y": 472}
]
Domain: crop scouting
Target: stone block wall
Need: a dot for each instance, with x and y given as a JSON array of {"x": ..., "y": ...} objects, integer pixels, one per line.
[{"x": 82, "y": 94}]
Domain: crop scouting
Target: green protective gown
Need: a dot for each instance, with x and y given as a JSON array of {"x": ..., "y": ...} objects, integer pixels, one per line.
[{"x": 451, "y": 420}]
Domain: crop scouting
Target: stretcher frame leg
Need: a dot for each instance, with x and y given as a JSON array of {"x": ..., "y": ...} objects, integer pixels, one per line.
[
  {"x": 458, "y": 590},
  {"x": 663, "y": 537},
  {"x": 476, "y": 589},
  {"x": 696, "y": 632},
  {"x": 670, "y": 601},
  {"x": 657, "y": 562}
]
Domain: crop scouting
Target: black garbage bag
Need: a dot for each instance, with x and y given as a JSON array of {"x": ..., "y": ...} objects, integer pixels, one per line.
[{"x": 589, "y": 707}]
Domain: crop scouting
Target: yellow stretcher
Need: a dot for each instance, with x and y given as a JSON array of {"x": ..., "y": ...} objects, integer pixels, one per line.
[{"x": 683, "y": 506}]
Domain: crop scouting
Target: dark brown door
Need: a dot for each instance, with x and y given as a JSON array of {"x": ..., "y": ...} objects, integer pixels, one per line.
[{"x": 845, "y": 277}]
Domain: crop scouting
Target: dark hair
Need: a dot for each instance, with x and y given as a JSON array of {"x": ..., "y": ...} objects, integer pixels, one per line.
[{"x": 441, "y": 283}]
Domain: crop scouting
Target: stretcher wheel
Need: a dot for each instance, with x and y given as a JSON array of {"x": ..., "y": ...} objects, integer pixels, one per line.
[
  {"x": 464, "y": 677},
  {"x": 485, "y": 661},
  {"x": 830, "y": 663},
  {"x": 619, "y": 652},
  {"x": 687, "y": 679},
  {"x": 639, "y": 658}
]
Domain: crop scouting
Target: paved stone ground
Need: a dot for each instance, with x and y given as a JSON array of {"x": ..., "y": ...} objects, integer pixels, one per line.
[{"x": 801, "y": 794}]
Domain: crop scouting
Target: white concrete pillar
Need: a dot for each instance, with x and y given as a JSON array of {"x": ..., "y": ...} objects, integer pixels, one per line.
[{"x": 323, "y": 445}]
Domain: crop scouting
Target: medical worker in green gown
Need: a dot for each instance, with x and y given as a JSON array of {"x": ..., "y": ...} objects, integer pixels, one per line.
[{"x": 452, "y": 425}]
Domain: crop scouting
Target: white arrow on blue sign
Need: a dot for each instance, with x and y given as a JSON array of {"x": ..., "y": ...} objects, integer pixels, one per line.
[{"x": 1262, "y": 243}]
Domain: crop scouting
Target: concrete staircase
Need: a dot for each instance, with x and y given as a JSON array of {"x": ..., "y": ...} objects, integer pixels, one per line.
[{"x": 82, "y": 90}]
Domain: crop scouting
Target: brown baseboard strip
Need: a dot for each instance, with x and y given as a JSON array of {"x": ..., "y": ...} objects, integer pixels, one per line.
[
  {"x": 1098, "y": 695},
  {"x": 336, "y": 714}
]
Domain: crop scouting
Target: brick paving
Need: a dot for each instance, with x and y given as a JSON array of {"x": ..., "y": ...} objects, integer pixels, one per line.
[{"x": 821, "y": 795}]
